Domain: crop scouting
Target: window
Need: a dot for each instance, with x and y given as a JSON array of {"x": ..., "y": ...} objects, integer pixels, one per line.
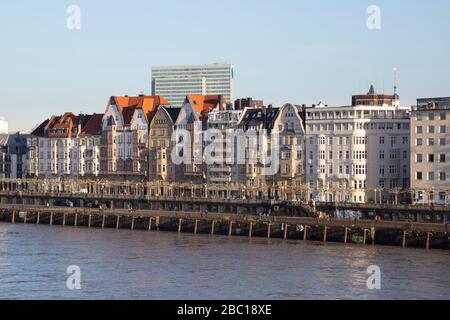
[
  {"x": 442, "y": 142},
  {"x": 431, "y": 116},
  {"x": 431, "y": 158},
  {"x": 443, "y": 116},
  {"x": 419, "y": 176},
  {"x": 419, "y": 142},
  {"x": 419, "y": 130},
  {"x": 431, "y": 129},
  {"x": 443, "y": 129},
  {"x": 443, "y": 176},
  {"x": 442, "y": 158},
  {"x": 419, "y": 116},
  {"x": 381, "y": 140},
  {"x": 431, "y": 142},
  {"x": 419, "y": 158},
  {"x": 382, "y": 155},
  {"x": 431, "y": 176}
]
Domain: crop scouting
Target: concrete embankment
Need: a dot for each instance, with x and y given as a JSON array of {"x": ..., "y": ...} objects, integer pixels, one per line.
[{"x": 424, "y": 235}]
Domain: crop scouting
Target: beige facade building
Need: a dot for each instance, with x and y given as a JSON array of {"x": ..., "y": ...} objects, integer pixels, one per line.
[
  {"x": 430, "y": 145},
  {"x": 283, "y": 151},
  {"x": 161, "y": 166}
]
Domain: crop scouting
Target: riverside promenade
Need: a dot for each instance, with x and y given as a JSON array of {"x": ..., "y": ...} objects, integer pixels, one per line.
[{"x": 363, "y": 232}]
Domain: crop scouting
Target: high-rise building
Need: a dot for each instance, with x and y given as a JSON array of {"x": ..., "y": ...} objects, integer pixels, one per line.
[
  {"x": 430, "y": 138},
  {"x": 3, "y": 126},
  {"x": 176, "y": 82}
]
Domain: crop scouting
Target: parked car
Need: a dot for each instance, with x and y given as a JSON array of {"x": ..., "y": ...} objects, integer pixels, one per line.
[{"x": 63, "y": 203}]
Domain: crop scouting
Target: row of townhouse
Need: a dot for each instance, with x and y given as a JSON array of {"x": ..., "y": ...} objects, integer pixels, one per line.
[{"x": 359, "y": 153}]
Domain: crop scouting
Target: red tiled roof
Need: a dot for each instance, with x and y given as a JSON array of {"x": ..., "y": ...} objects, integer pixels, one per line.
[
  {"x": 93, "y": 126},
  {"x": 128, "y": 105},
  {"x": 204, "y": 104},
  {"x": 69, "y": 125}
]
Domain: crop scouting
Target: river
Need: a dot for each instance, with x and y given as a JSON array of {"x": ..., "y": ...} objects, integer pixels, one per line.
[{"x": 123, "y": 264}]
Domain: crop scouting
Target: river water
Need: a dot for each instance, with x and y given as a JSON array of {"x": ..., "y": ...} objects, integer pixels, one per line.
[{"x": 122, "y": 264}]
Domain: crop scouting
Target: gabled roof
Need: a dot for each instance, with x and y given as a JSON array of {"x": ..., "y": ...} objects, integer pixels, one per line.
[
  {"x": 128, "y": 105},
  {"x": 69, "y": 125},
  {"x": 205, "y": 104},
  {"x": 173, "y": 113},
  {"x": 40, "y": 130},
  {"x": 93, "y": 126}
]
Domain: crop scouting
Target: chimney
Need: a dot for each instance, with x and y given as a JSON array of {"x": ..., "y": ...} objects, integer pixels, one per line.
[{"x": 221, "y": 102}]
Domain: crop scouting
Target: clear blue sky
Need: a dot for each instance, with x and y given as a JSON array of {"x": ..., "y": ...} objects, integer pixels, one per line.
[{"x": 283, "y": 51}]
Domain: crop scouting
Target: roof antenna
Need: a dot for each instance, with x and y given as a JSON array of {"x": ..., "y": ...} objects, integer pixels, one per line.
[{"x": 395, "y": 81}]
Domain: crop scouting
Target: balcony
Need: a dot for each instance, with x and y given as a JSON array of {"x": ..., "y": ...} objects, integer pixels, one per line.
[{"x": 220, "y": 169}]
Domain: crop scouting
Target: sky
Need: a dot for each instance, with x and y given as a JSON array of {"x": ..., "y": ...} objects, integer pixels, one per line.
[{"x": 283, "y": 51}]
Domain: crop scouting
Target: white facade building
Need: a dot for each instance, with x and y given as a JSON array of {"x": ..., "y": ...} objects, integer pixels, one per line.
[
  {"x": 3, "y": 126},
  {"x": 430, "y": 140},
  {"x": 357, "y": 154},
  {"x": 176, "y": 82},
  {"x": 225, "y": 121},
  {"x": 65, "y": 146}
]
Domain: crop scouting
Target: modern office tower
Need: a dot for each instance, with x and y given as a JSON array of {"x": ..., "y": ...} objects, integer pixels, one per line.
[
  {"x": 358, "y": 154},
  {"x": 3, "y": 126},
  {"x": 65, "y": 146},
  {"x": 430, "y": 151},
  {"x": 176, "y": 82}
]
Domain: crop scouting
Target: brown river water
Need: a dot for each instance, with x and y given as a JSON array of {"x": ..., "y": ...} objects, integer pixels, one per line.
[{"x": 123, "y": 264}]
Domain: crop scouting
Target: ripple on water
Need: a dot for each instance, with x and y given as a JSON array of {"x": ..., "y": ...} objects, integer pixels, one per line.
[{"x": 120, "y": 264}]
